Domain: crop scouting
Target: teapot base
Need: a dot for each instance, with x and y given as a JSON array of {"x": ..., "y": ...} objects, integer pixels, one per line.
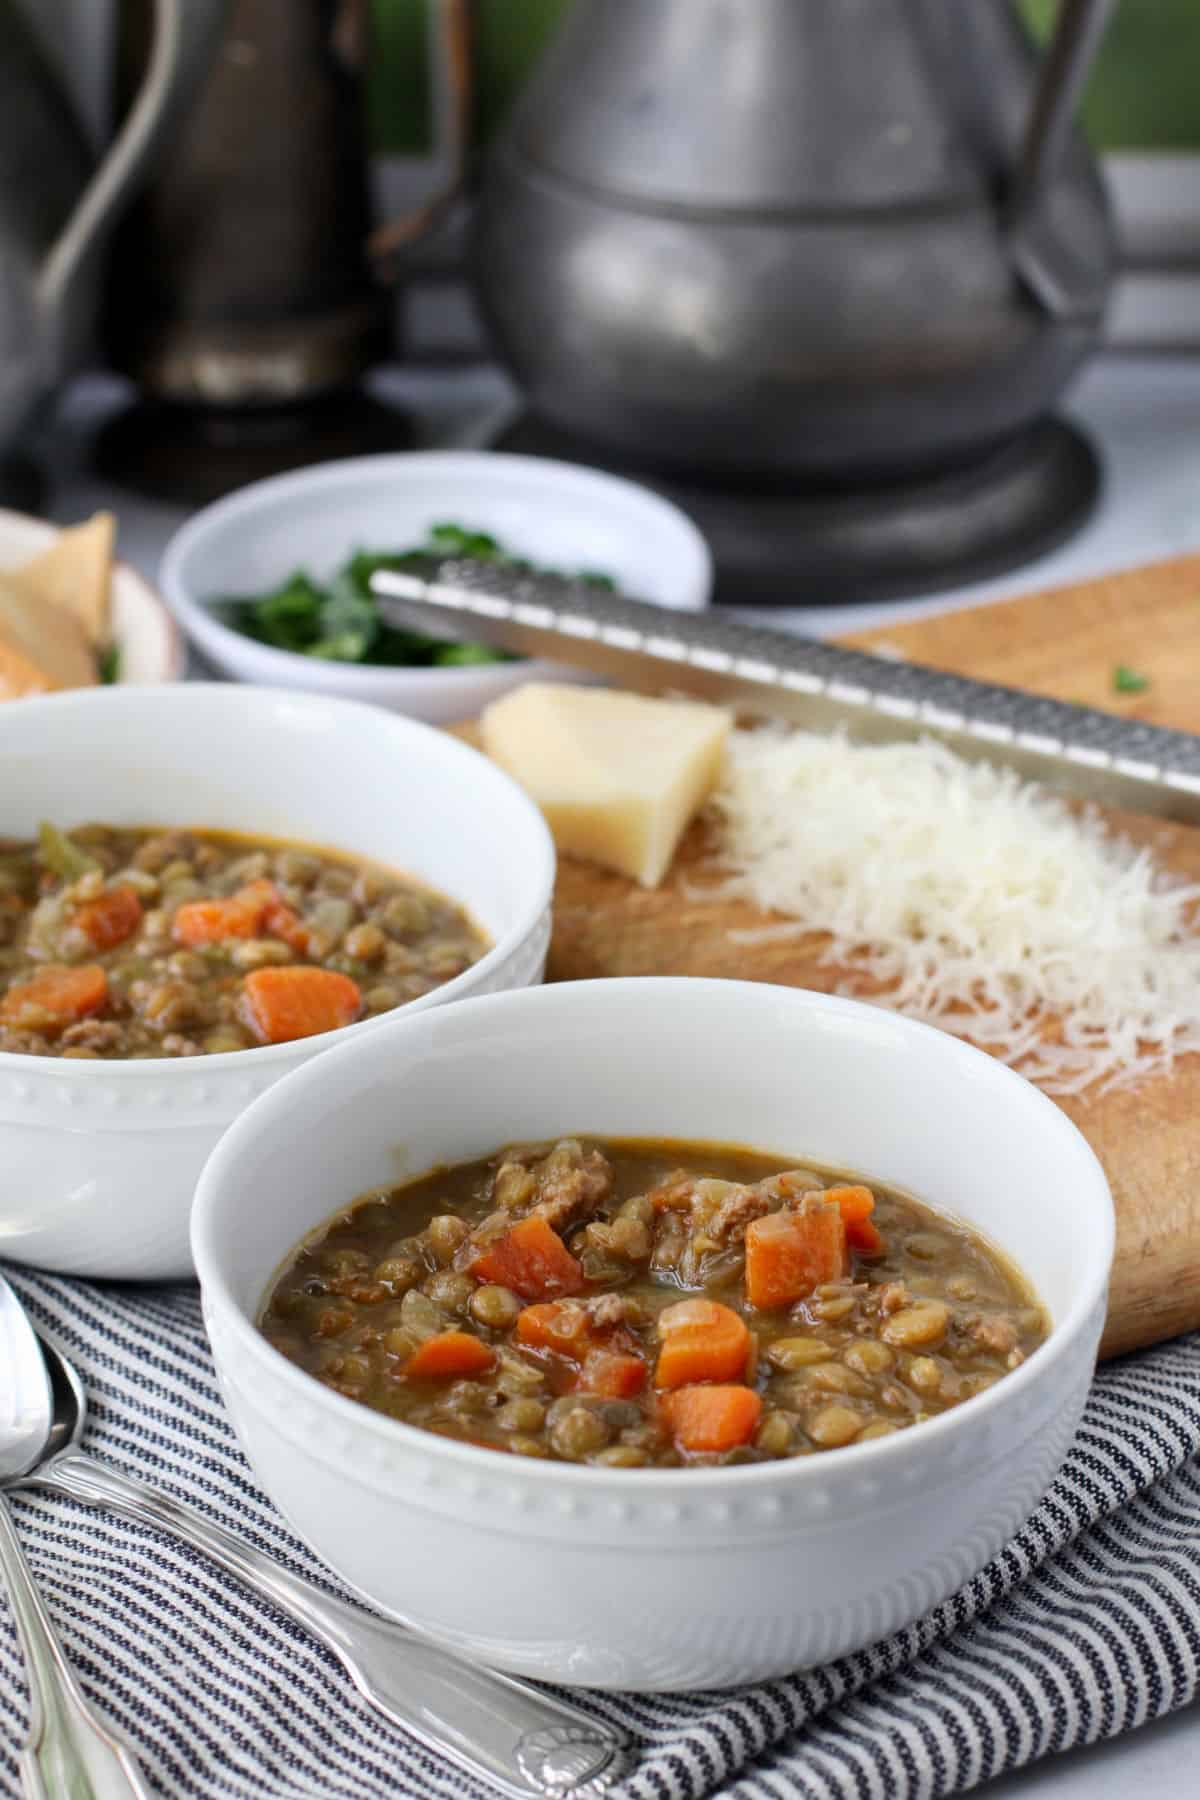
[
  {"x": 191, "y": 455},
  {"x": 22, "y": 485},
  {"x": 896, "y": 541}
]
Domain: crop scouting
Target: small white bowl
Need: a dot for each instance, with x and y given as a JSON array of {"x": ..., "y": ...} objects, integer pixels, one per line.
[
  {"x": 98, "y": 1159},
  {"x": 657, "y": 1579},
  {"x": 150, "y": 645},
  {"x": 554, "y": 514}
]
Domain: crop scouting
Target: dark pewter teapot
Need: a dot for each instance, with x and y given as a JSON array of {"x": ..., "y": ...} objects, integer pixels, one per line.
[
  {"x": 797, "y": 239},
  {"x": 56, "y": 208}
]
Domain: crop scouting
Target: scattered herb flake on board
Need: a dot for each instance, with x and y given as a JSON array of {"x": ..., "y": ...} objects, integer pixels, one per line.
[
  {"x": 339, "y": 621},
  {"x": 1129, "y": 681}
]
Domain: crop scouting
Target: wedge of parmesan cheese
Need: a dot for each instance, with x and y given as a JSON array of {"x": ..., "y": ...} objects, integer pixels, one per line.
[
  {"x": 618, "y": 776},
  {"x": 42, "y": 647},
  {"x": 75, "y": 574}
]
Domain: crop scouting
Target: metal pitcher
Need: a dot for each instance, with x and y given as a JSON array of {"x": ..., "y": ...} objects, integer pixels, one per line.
[
  {"x": 56, "y": 208},
  {"x": 841, "y": 240}
]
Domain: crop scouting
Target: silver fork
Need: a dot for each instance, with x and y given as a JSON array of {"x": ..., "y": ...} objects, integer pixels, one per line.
[
  {"x": 69, "y": 1755},
  {"x": 495, "y": 1727}
]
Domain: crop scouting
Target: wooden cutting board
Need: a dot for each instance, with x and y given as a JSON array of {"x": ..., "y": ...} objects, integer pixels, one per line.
[
  {"x": 1065, "y": 644},
  {"x": 1068, "y": 643},
  {"x": 1148, "y": 1139}
]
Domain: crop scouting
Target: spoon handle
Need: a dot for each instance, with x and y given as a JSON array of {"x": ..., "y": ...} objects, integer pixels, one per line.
[
  {"x": 69, "y": 1753},
  {"x": 503, "y": 1730}
]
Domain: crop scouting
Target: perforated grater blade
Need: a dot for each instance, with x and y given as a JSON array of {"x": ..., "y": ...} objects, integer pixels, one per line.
[{"x": 1078, "y": 750}]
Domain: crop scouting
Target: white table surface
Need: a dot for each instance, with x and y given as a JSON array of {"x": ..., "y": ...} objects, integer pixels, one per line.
[{"x": 1144, "y": 416}]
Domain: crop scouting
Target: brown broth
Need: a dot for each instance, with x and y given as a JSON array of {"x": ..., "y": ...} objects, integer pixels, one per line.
[{"x": 898, "y": 1337}]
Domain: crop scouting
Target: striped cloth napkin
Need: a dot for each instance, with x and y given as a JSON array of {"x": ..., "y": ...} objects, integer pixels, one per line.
[{"x": 1087, "y": 1625}]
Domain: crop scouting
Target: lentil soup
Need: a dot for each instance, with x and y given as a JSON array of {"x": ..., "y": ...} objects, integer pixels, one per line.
[
  {"x": 124, "y": 943},
  {"x": 629, "y": 1304}
]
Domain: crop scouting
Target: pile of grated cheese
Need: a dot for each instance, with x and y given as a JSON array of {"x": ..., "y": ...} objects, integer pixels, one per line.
[{"x": 979, "y": 902}]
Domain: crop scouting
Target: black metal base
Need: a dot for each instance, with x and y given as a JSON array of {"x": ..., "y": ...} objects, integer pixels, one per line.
[
  {"x": 189, "y": 456},
  {"x": 880, "y": 543},
  {"x": 22, "y": 485}
]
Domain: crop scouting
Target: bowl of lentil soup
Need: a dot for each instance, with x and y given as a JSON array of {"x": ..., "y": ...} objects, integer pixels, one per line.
[
  {"x": 655, "y": 1333},
  {"x": 200, "y": 888}
]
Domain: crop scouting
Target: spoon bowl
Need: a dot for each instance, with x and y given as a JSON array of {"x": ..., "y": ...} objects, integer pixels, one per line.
[
  {"x": 68, "y": 1401},
  {"x": 69, "y": 1751},
  {"x": 25, "y": 1400}
]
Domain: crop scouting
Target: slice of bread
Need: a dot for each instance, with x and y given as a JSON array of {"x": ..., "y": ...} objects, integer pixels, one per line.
[
  {"x": 42, "y": 647},
  {"x": 75, "y": 573}
]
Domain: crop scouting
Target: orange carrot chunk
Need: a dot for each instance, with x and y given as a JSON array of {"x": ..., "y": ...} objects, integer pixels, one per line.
[
  {"x": 240, "y": 915},
  {"x": 552, "y": 1325},
  {"x": 701, "y": 1341},
  {"x": 531, "y": 1259},
  {"x": 110, "y": 918},
  {"x": 712, "y": 1418},
  {"x": 298, "y": 1002},
  {"x": 865, "y": 1236},
  {"x": 788, "y": 1254},
  {"x": 208, "y": 921},
  {"x": 57, "y": 996},
  {"x": 856, "y": 1205},
  {"x": 280, "y": 921},
  {"x": 615, "y": 1374},
  {"x": 449, "y": 1353},
  {"x": 851, "y": 1202}
]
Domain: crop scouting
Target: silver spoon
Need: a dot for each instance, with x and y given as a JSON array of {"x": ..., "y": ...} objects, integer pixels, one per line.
[
  {"x": 493, "y": 1726},
  {"x": 69, "y": 1755}
]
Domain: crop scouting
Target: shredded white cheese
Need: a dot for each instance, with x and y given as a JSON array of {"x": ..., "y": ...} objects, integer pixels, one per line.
[{"x": 978, "y": 902}]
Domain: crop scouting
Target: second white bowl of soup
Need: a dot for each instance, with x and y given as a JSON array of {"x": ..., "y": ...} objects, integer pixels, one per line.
[
  {"x": 472, "y": 1505},
  {"x": 120, "y": 1008}
]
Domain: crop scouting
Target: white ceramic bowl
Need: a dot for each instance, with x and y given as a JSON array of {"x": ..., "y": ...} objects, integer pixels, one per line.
[
  {"x": 554, "y": 514},
  {"x": 641, "y": 1578},
  {"x": 143, "y": 630},
  {"x": 98, "y": 1160}
]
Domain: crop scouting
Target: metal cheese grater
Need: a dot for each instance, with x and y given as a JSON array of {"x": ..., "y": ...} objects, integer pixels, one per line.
[{"x": 1075, "y": 749}]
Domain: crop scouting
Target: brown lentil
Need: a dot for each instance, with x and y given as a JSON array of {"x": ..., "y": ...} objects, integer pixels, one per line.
[
  {"x": 496, "y": 1307},
  {"x": 444, "y": 1234},
  {"x": 774, "y": 1435},
  {"x": 924, "y": 1324},
  {"x": 366, "y": 942},
  {"x": 868, "y": 1357},
  {"x": 454, "y": 1292},
  {"x": 924, "y": 1375},
  {"x": 834, "y": 1426},
  {"x": 522, "y": 1415},
  {"x": 577, "y": 1432},
  {"x": 797, "y": 1352}
]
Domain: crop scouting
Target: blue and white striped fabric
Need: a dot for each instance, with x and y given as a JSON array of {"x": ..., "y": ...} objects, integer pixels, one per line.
[{"x": 1087, "y": 1625}]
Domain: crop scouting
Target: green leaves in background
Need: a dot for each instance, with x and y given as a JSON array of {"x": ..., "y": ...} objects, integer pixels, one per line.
[
  {"x": 1145, "y": 89},
  {"x": 1144, "y": 92},
  {"x": 512, "y": 35},
  {"x": 509, "y": 35},
  {"x": 400, "y": 78}
]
